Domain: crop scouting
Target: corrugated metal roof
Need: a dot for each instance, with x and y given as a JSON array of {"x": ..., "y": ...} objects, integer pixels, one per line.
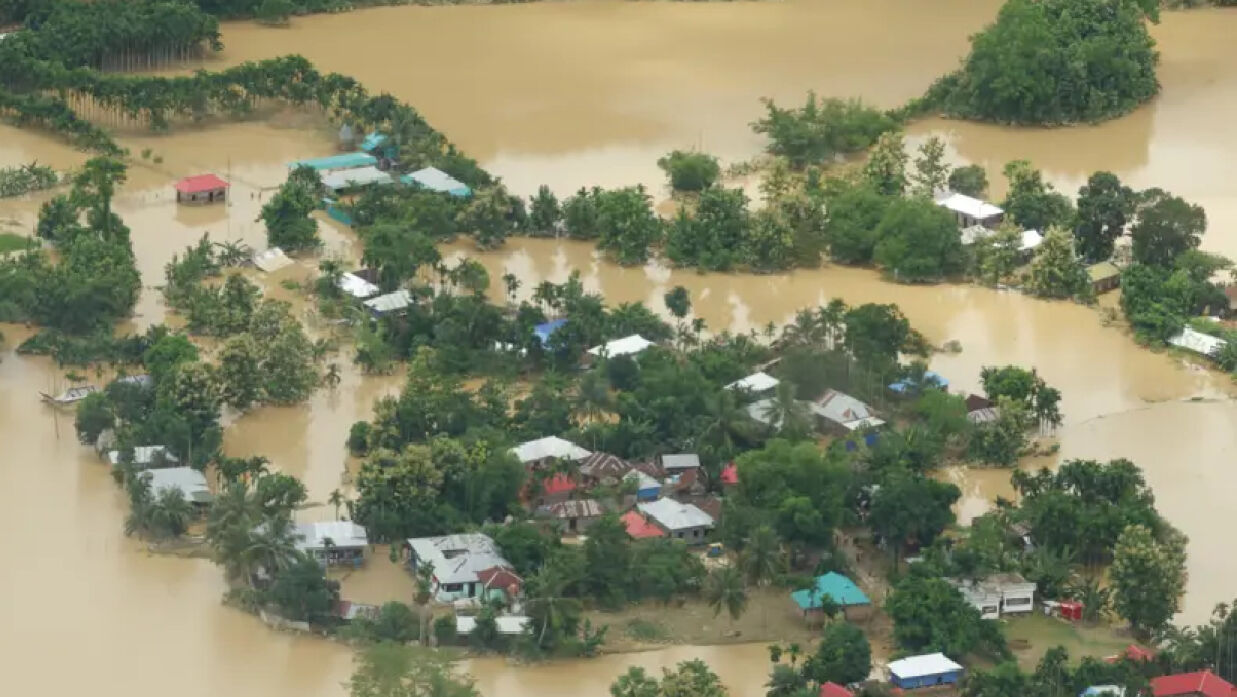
[
  {"x": 845, "y": 410},
  {"x": 835, "y": 586},
  {"x": 191, "y": 483},
  {"x": 144, "y": 455},
  {"x": 680, "y": 461},
  {"x": 271, "y": 260},
  {"x": 1198, "y": 342},
  {"x": 435, "y": 179},
  {"x": 344, "y": 161},
  {"x": 507, "y": 624},
  {"x": 966, "y": 205},
  {"x": 920, "y": 666},
  {"x": 339, "y": 179},
  {"x": 199, "y": 183},
  {"x": 672, "y": 515},
  {"x": 756, "y": 382},
  {"x": 458, "y": 558},
  {"x": 626, "y": 346},
  {"x": 343, "y": 534},
  {"x": 640, "y": 528},
  {"x": 356, "y": 286},
  {"x": 390, "y": 302},
  {"x": 549, "y": 447}
]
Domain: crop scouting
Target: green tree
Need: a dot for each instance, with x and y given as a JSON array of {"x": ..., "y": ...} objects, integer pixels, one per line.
[
  {"x": 1167, "y": 226},
  {"x": 996, "y": 256},
  {"x": 392, "y": 670},
  {"x": 1056, "y": 271},
  {"x": 286, "y": 216},
  {"x": 678, "y": 301},
  {"x": 930, "y": 615},
  {"x": 274, "y": 11},
  {"x": 843, "y": 655},
  {"x": 240, "y": 373},
  {"x": 627, "y": 227},
  {"x": 885, "y": 170},
  {"x": 853, "y": 217},
  {"x": 762, "y": 559},
  {"x": 821, "y": 129},
  {"x": 715, "y": 236},
  {"x": 635, "y": 683},
  {"x": 1105, "y": 205},
  {"x": 1033, "y": 203},
  {"x": 912, "y": 507},
  {"x": 607, "y": 554},
  {"x": 724, "y": 590},
  {"x": 302, "y": 592},
  {"x": 931, "y": 173},
  {"x": 691, "y": 679},
  {"x": 490, "y": 217},
  {"x": 94, "y": 415},
  {"x": 544, "y": 215},
  {"x": 999, "y": 443},
  {"x": 690, "y": 170},
  {"x": 970, "y": 180},
  {"x": 918, "y": 241},
  {"x": 395, "y": 622},
  {"x": 1148, "y": 576}
]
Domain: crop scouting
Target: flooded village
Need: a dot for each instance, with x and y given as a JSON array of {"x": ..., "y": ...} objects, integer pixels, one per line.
[{"x": 642, "y": 80}]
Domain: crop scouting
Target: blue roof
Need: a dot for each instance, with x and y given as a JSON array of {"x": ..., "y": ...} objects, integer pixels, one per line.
[
  {"x": 545, "y": 329},
  {"x": 842, "y": 590},
  {"x": 345, "y": 161},
  {"x": 373, "y": 141},
  {"x": 435, "y": 179},
  {"x": 929, "y": 378}
]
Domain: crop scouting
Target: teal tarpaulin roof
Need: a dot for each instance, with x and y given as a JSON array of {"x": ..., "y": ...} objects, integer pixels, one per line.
[
  {"x": 842, "y": 590},
  {"x": 345, "y": 161},
  {"x": 435, "y": 179},
  {"x": 373, "y": 141}
]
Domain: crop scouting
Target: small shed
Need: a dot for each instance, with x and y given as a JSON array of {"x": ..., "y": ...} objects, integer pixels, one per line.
[
  {"x": 576, "y": 515},
  {"x": 840, "y": 590},
  {"x": 201, "y": 188},
  {"x": 1105, "y": 276},
  {"x": 970, "y": 211},
  {"x": 627, "y": 346},
  {"x": 680, "y": 462},
  {"x": 647, "y": 488},
  {"x": 927, "y": 670}
]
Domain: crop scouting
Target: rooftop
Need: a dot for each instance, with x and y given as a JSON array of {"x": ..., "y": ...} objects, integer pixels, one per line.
[
  {"x": 544, "y": 330},
  {"x": 550, "y": 447},
  {"x": 639, "y": 527},
  {"x": 680, "y": 461},
  {"x": 929, "y": 379},
  {"x": 342, "y": 534},
  {"x": 628, "y": 345},
  {"x": 832, "y": 689},
  {"x": 1030, "y": 240},
  {"x": 575, "y": 508},
  {"x": 756, "y": 382},
  {"x": 458, "y": 558},
  {"x": 390, "y": 302},
  {"x": 507, "y": 624},
  {"x": 190, "y": 482},
  {"x": 144, "y": 456},
  {"x": 1198, "y": 342},
  {"x": 973, "y": 207},
  {"x": 845, "y": 410},
  {"x": 835, "y": 586},
  {"x": 339, "y": 179},
  {"x": 926, "y": 664},
  {"x": 271, "y": 260},
  {"x": 356, "y": 286},
  {"x": 558, "y": 484},
  {"x": 604, "y": 466},
  {"x": 730, "y": 474},
  {"x": 1202, "y": 682},
  {"x": 345, "y": 161},
  {"x": 644, "y": 480},
  {"x": 435, "y": 179},
  {"x": 199, "y": 183},
  {"x": 672, "y": 515},
  {"x": 1102, "y": 271}
]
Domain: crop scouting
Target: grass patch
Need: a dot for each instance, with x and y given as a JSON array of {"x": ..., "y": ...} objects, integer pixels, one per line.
[
  {"x": 646, "y": 630},
  {"x": 1031, "y": 636},
  {"x": 10, "y": 242}
]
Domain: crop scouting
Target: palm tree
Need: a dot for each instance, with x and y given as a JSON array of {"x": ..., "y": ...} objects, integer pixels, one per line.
[
  {"x": 726, "y": 420},
  {"x": 169, "y": 514},
  {"x": 272, "y": 545},
  {"x": 724, "y": 589},
  {"x": 789, "y": 415},
  {"x": 762, "y": 559},
  {"x": 592, "y": 398},
  {"x": 546, "y": 604},
  {"x": 336, "y": 499},
  {"x": 425, "y": 588}
]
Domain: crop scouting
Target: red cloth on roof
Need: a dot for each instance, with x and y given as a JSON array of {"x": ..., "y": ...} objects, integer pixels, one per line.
[
  {"x": 1203, "y": 682},
  {"x": 559, "y": 483},
  {"x": 832, "y": 689},
  {"x": 199, "y": 183},
  {"x": 730, "y": 474},
  {"x": 638, "y": 527}
]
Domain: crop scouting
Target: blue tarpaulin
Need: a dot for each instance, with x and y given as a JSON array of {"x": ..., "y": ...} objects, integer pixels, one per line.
[
  {"x": 545, "y": 329},
  {"x": 930, "y": 379}
]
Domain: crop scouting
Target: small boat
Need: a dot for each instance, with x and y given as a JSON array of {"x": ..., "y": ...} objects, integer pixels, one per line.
[{"x": 70, "y": 396}]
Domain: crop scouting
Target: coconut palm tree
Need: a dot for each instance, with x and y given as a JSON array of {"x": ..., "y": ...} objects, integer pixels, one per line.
[
  {"x": 726, "y": 420},
  {"x": 790, "y": 416},
  {"x": 336, "y": 499},
  {"x": 724, "y": 590},
  {"x": 544, "y": 600},
  {"x": 169, "y": 514},
  {"x": 762, "y": 559},
  {"x": 592, "y": 398},
  {"x": 272, "y": 545}
]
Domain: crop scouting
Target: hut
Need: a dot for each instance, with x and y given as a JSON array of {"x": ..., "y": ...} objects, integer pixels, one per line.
[
  {"x": 927, "y": 670},
  {"x": 1105, "y": 276},
  {"x": 201, "y": 188},
  {"x": 336, "y": 542},
  {"x": 647, "y": 486},
  {"x": 840, "y": 590},
  {"x": 971, "y": 211},
  {"x": 575, "y": 515},
  {"x": 189, "y": 482}
]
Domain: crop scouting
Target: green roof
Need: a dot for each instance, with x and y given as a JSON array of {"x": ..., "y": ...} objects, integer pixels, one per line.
[
  {"x": 1102, "y": 270},
  {"x": 344, "y": 161},
  {"x": 842, "y": 590}
]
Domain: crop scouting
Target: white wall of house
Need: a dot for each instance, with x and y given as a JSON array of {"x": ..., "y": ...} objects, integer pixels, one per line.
[{"x": 1018, "y": 599}]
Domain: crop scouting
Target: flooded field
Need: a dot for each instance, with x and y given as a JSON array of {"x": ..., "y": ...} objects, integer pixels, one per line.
[{"x": 582, "y": 93}]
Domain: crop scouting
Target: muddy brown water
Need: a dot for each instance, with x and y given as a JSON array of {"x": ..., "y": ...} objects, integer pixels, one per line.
[{"x": 592, "y": 93}]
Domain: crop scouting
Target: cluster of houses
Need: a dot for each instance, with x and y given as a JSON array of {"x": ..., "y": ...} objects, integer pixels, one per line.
[
  {"x": 978, "y": 220},
  {"x": 161, "y": 469}
]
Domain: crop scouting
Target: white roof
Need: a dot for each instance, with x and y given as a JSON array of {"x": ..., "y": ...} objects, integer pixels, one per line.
[
  {"x": 973, "y": 207},
  {"x": 507, "y": 624},
  {"x": 390, "y": 302},
  {"x": 458, "y": 558},
  {"x": 1198, "y": 342},
  {"x": 357, "y": 176},
  {"x": 975, "y": 233},
  {"x": 672, "y": 515},
  {"x": 435, "y": 179},
  {"x": 643, "y": 480},
  {"x": 342, "y": 534},
  {"x": 271, "y": 260},
  {"x": 192, "y": 483},
  {"x": 920, "y": 666},
  {"x": 356, "y": 286},
  {"x": 628, "y": 345},
  {"x": 1031, "y": 239},
  {"x": 760, "y": 411},
  {"x": 680, "y": 461},
  {"x": 756, "y": 382},
  {"x": 143, "y": 456},
  {"x": 845, "y": 410},
  {"x": 549, "y": 447}
]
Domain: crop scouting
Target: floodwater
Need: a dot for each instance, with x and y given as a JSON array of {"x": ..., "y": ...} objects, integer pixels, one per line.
[{"x": 570, "y": 94}]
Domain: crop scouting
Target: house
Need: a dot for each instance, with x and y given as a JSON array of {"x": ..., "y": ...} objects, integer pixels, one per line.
[
  {"x": 548, "y": 450},
  {"x": 507, "y": 625},
  {"x": 910, "y": 385},
  {"x": 465, "y": 566},
  {"x": 683, "y": 483},
  {"x": 999, "y": 594},
  {"x": 1104, "y": 276},
  {"x": 350, "y": 160},
  {"x": 756, "y": 384},
  {"x": 389, "y": 303},
  {"x": 576, "y": 515},
  {"x": 348, "y": 610},
  {"x": 337, "y": 542},
  {"x": 838, "y": 588},
  {"x": 1198, "y": 342},
  {"x": 437, "y": 180},
  {"x": 144, "y": 457},
  {"x": 190, "y": 482},
  {"x": 70, "y": 396},
  {"x": 639, "y": 527},
  {"x": 970, "y": 211},
  {"x": 1202, "y": 683},
  {"x": 926, "y": 670},
  {"x": 648, "y": 488},
  {"x": 354, "y": 178},
  {"x": 680, "y": 462},
  {"x": 356, "y": 286},
  {"x": 627, "y": 346},
  {"x": 603, "y": 468},
  {"x": 832, "y": 689},
  {"x": 980, "y": 410},
  {"x": 271, "y": 260},
  {"x": 542, "y": 332},
  {"x": 201, "y": 188},
  {"x": 681, "y": 521},
  {"x": 842, "y": 413}
]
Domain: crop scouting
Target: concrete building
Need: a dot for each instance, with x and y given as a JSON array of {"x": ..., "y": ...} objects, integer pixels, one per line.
[
  {"x": 201, "y": 188},
  {"x": 331, "y": 543},
  {"x": 999, "y": 594},
  {"x": 190, "y": 482},
  {"x": 465, "y": 566},
  {"x": 681, "y": 521},
  {"x": 927, "y": 670}
]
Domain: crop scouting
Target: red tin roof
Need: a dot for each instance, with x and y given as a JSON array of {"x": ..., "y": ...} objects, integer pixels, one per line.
[{"x": 199, "y": 183}]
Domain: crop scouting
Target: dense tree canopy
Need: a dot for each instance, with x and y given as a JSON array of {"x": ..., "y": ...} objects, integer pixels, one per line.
[
  {"x": 821, "y": 129},
  {"x": 918, "y": 241}
]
